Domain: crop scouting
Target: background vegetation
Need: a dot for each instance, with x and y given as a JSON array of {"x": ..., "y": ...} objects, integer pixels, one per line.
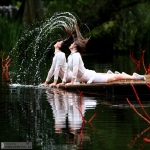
[{"x": 115, "y": 25}]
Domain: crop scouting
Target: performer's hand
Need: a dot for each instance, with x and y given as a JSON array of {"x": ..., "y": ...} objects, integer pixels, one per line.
[
  {"x": 67, "y": 84},
  {"x": 58, "y": 85},
  {"x": 44, "y": 84},
  {"x": 52, "y": 85}
]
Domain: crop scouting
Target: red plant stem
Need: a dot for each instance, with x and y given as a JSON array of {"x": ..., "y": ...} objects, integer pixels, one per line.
[
  {"x": 6, "y": 62},
  {"x": 133, "y": 59},
  {"x": 3, "y": 55},
  {"x": 146, "y": 140},
  {"x": 80, "y": 99},
  {"x": 148, "y": 85},
  {"x": 80, "y": 104},
  {"x": 81, "y": 132},
  {"x": 148, "y": 70},
  {"x": 140, "y": 101},
  {"x": 137, "y": 136},
  {"x": 137, "y": 67},
  {"x": 92, "y": 117},
  {"x": 9, "y": 62},
  {"x": 81, "y": 114},
  {"x": 80, "y": 92},
  {"x": 3, "y": 63},
  {"x": 143, "y": 51},
  {"x": 92, "y": 125},
  {"x": 137, "y": 111},
  {"x": 144, "y": 131}
]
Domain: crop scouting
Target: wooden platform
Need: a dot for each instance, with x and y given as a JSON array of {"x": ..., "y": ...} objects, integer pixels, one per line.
[{"x": 115, "y": 88}]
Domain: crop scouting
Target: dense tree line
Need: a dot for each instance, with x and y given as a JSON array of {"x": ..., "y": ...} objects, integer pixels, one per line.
[{"x": 114, "y": 24}]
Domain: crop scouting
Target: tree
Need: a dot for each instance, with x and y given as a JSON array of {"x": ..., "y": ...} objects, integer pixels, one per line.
[{"x": 33, "y": 10}]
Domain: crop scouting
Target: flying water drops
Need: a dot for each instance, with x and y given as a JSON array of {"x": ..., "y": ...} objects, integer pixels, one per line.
[{"x": 29, "y": 53}]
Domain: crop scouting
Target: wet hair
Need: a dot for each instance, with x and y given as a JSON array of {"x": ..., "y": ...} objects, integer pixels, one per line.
[
  {"x": 66, "y": 43},
  {"x": 79, "y": 40},
  {"x": 69, "y": 39},
  {"x": 74, "y": 35},
  {"x": 80, "y": 46}
]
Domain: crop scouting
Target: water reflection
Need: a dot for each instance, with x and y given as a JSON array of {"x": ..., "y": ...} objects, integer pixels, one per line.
[
  {"x": 145, "y": 117},
  {"x": 69, "y": 109},
  {"x": 59, "y": 119},
  {"x": 142, "y": 143},
  {"x": 29, "y": 113}
]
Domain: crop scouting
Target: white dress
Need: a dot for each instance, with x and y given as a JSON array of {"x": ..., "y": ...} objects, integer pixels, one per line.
[
  {"x": 59, "y": 67},
  {"x": 80, "y": 73}
]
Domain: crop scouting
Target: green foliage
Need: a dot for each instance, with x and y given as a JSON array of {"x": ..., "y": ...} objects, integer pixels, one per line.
[
  {"x": 16, "y": 3},
  {"x": 9, "y": 34},
  {"x": 125, "y": 22},
  {"x": 133, "y": 23},
  {"x": 103, "y": 29},
  {"x": 86, "y": 10}
]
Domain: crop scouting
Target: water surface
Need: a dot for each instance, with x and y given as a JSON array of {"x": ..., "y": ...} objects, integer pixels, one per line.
[{"x": 60, "y": 120}]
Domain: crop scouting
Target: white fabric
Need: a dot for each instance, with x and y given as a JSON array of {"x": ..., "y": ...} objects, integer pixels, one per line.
[
  {"x": 67, "y": 104},
  {"x": 99, "y": 77},
  {"x": 80, "y": 73},
  {"x": 76, "y": 65},
  {"x": 88, "y": 76},
  {"x": 58, "y": 67}
]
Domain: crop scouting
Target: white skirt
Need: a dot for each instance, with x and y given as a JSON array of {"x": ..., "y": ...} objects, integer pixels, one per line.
[{"x": 90, "y": 76}]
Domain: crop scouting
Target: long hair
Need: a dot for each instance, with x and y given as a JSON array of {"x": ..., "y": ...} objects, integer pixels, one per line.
[
  {"x": 80, "y": 46},
  {"x": 79, "y": 40},
  {"x": 74, "y": 35},
  {"x": 69, "y": 39}
]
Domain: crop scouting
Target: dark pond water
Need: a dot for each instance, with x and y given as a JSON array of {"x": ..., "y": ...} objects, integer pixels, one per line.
[{"x": 58, "y": 119}]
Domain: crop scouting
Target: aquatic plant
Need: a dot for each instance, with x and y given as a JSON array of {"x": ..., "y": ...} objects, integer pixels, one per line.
[
  {"x": 146, "y": 118},
  {"x": 138, "y": 99},
  {"x": 6, "y": 62},
  {"x": 80, "y": 109},
  {"x": 130, "y": 145},
  {"x": 83, "y": 120},
  {"x": 139, "y": 62}
]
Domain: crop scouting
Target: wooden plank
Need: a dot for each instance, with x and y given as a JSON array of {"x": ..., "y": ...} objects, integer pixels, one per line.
[{"x": 117, "y": 87}]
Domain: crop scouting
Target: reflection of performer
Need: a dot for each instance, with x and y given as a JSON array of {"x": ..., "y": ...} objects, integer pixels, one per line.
[
  {"x": 66, "y": 105},
  {"x": 59, "y": 107}
]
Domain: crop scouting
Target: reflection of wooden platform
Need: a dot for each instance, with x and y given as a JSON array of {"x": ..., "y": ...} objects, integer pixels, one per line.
[{"x": 118, "y": 87}]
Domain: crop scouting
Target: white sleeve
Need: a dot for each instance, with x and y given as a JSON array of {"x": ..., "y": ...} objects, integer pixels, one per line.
[
  {"x": 75, "y": 59},
  {"x": 56, "y": 72},
  {"x": 50, "y": 74},
  {"x": 65, "y": 74},
  {"x": 60, "y": 59}
]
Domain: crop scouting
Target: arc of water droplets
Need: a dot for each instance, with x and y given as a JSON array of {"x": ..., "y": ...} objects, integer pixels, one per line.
[{"x": 57, "y": 22}]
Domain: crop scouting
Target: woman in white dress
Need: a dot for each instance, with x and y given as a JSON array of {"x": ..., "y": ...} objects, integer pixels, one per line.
[
  {"x": 81, "y": 74},
  {"x": 58, "y": 66}
]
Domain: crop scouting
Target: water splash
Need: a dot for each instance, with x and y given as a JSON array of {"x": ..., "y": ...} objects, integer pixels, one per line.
[{"x": 29, "y": 53}]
